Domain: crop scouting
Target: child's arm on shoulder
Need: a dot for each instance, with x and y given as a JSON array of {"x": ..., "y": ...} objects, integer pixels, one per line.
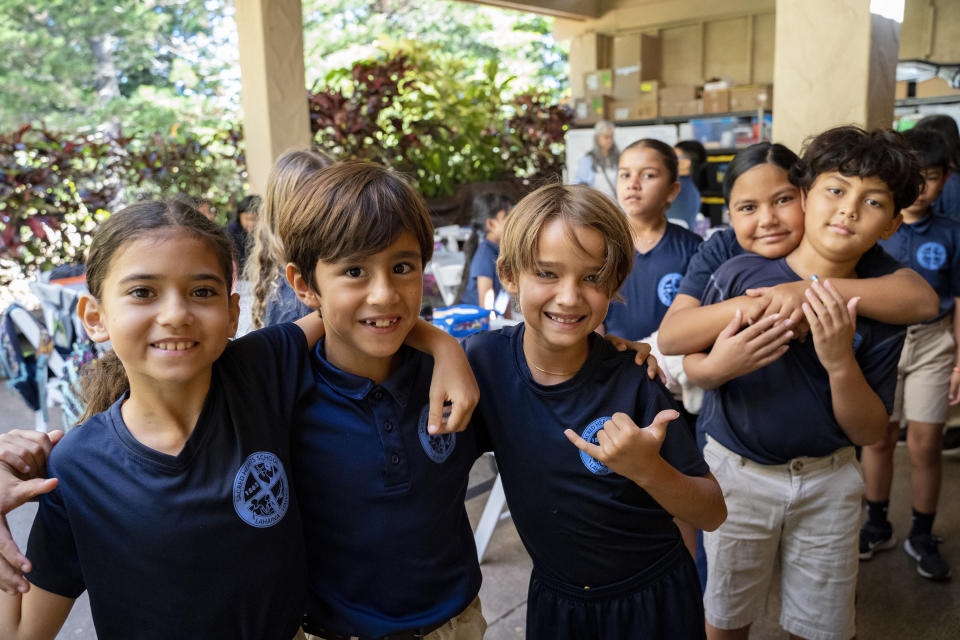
[
  {"x": 452, "y": 380},
  {"x": 737, "y": 351},
  {"x": 901, "y": 297},
  {"x": 954, "y": 396},
  {"x": 856, "y": 406},
  {"x": 634, "y": 453},
  {"x": 35, "y": 615},
  {"x": 23, "y": 457}
]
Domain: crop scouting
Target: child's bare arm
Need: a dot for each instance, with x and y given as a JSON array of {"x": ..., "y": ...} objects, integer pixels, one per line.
[
  {"x": 37, "y": 615},
  {"x": 23, "y": 457},
  {"x": 312, "y": 327},
  {"x": 634, "y": 453},
  {"x": 452, "y": 380},
  {"x": 738, "y": 351},
  {"x": 688, "y": 327},
  {"x": 954, "y": 396},
  {"x": 902, "y": 297},
  {"x": 856, "y": 406}
]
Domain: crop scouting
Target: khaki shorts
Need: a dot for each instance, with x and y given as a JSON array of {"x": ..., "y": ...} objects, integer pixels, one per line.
[
  {"x": 468, "y": 625},
  {"x": 923, "y": 375},
  {"x": 806, "y": 514}
]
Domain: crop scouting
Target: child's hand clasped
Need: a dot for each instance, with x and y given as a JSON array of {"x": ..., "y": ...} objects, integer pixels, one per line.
[
  {"x": 739, "y": 351},
  {"x": 624, "y": 447},
  {"x": 832, "y": 324}
]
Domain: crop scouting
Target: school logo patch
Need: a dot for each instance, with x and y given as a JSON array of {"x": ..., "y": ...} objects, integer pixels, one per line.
[
  {"x": 437, "y": 447},
  {"x": 931, "y": 255},
  {"x": 590, "y": 435},
  {"x": 261, "y": 493},
  {"x": 667, "y": 288}
]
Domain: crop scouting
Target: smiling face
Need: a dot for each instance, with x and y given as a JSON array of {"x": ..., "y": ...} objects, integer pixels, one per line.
[
  {"x": 561, "y": 299},
  {"x": 766, "y": 212},
  {"x": 933, "y": 180},
  {"x": 846, "y": 215},
  {"x": 369, "y": 305},
  {"x": 166, "y": 308},
  {"x": 644, "y": 186}
]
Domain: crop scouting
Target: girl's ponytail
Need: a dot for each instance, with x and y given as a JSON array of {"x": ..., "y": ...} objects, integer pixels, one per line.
[{"x": 104, "y": 381}]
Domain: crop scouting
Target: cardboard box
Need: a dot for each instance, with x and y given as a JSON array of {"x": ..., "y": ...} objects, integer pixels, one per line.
[
  {"x": 637, "y": 109},
  {"x": 934, "y": 88},
  {"x": 598, "y": 83},
  {"x": 677, "y": 108},
  {"x": 679, "y": 93},
  {"x": 901, "y": 90},
  {"x": 588, "y": 52},
  {"x": 716, "y": 101},
  {"x": 751, "y": 98},
  {"x": 591, "y": 110},
  {"x": 638, "y": 52}
]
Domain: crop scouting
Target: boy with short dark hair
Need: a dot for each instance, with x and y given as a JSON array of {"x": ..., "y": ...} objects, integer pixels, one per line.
[
  {"x": 390, "y": 551},
  {"x": 780, "y": 439},
  {"x": 930, "y": 244}
]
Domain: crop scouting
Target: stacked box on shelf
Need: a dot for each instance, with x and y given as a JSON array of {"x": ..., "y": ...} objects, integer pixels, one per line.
[
  {"x": 751, "y": 97},
  {"x": 592, "y": 110},
  {"x": 680, "y": 100},
  {"x": 588, "y": 52},
  {"x": 636, "y": 75}
]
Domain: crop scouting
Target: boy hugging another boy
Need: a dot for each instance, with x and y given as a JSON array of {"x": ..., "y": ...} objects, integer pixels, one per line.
[
  {"x": 780, "y": 439},
  {"x": 930, "y": 244}
]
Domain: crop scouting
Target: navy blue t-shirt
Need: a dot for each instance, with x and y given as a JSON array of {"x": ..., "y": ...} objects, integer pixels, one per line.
[
  {"x": 652, "y": 284},
  {"x": 383, "y": 502},
  {"x": 783, "y": 410},
  {"x": 204, "y": 544},
  {"x": 723, "y": 245},
  {"x": 931, "y": 247},
  {"x": 484, "y": 264},
  {"x": 581, "y": 523}
]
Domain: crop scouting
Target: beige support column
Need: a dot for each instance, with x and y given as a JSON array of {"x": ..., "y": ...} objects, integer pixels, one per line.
[
  {"x": 273, "y": 93},
  {"x": 835, "y": 63}
]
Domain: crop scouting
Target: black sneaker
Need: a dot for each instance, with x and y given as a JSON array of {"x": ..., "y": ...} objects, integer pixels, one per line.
[
  {"x": 875, "y": 538},
  {"x": 951, "y": 439},
  {"x": 923, "y": 549}
]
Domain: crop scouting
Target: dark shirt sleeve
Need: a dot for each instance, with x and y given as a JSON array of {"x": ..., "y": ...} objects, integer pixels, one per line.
[
  {"x": 278, "y": 360},
  {"x": 876, "y": 262},
  {"x": 484, "y": 263},
  {"x": 708, "y": 258},
  {"x": 51, "y": 548},
  {"x": 879, "y": 366},
  {"x": 679, "y": 448}
]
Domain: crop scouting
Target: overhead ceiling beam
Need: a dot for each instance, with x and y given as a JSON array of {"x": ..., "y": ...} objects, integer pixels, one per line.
[{"x": 570, "y": 9}]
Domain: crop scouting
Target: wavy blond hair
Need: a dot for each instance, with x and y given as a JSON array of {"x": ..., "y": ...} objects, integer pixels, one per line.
[{"x": 266, "y": 257}]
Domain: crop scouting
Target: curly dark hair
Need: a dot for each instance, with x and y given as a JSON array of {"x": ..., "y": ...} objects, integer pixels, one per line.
[{"x": 855, "y": 152}]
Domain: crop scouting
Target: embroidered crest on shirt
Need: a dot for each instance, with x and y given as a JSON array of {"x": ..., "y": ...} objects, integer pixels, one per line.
[
  {"x": 261, "y": 493},
  {"x": 590, "y": 435},
  {"x": 931, "y": 255},
  {"x": 667, "y": 288},
  {"x": 437, "y": 447}
]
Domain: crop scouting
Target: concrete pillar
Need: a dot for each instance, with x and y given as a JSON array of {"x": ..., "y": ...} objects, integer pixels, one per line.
[
  {"x": 273, "y": 94},
  {"x": 834, "y": 63}
]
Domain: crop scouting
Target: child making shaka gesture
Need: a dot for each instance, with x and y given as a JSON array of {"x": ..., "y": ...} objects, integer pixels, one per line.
[{"x": 598, "y": 523}]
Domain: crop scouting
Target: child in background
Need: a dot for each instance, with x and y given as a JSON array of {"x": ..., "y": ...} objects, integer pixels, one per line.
[
  {"x": 480, "y": 279},
  {"x": 391, "y": 551},
  {"x": 691, "y": 157},
  {"x": 791, "y": 479},
  {"x": 180, "y": 468},
  {"x": 274, "y": 302},
  {"x": 598, "y": 523},
  {"x": 948, "y": 203},
  {"x": 766, "y": 212},
  {"x": 242, "y": 227},
  {"x": 646, "y": 185},
  {"x": 930, "y": 244}
]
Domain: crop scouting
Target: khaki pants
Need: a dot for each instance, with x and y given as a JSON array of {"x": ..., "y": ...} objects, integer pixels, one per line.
[{"x": 469, "y": 625}]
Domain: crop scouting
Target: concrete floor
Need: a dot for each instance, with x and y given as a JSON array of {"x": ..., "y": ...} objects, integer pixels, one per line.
[{"x": 893, "y": 601}]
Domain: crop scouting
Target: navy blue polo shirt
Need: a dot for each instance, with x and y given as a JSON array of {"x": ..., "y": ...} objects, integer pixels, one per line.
[
  {"x": 204, "y": 544},
  {"x": 652, "y": 284},
  {"x": 931, "y": 247},
  {"x": 484, "y": 264},
  {"x": 783, "y": 410},
  {"x": 581, "y": 523},
  {"x": 723, "y": 245},
  {"x": 390, "y": 547}
]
